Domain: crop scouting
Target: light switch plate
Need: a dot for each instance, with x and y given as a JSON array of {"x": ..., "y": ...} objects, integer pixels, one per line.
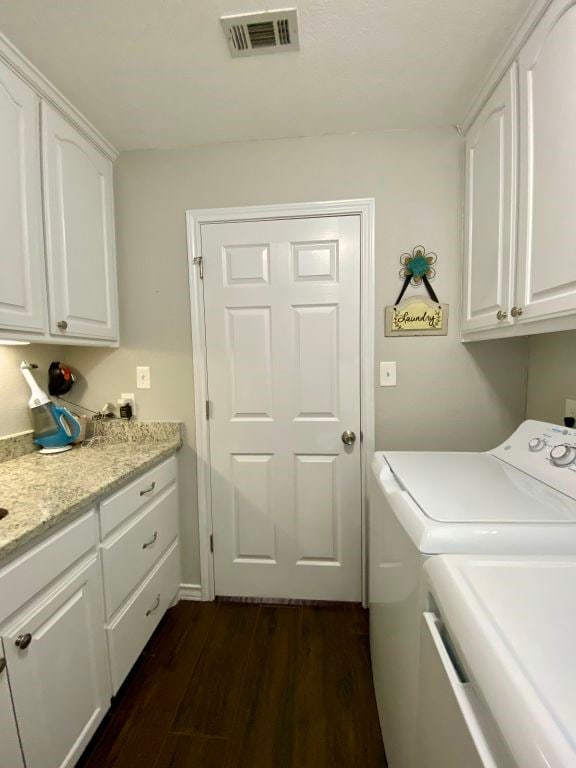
[
  {"x": 143, "y": 377},
  {"x": 388, "y": 374}
]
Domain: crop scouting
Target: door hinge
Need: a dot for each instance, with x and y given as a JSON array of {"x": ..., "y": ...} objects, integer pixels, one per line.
[
  {"x": 199, "y": 261},
  {"x": 212, "y": 543},
  {"x": 207, "y": 409}
]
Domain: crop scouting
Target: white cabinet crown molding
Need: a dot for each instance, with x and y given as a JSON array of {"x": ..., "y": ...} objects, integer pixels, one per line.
[
  {"x": 505, "y": 60},
  {"x": 12, "y": 57}
]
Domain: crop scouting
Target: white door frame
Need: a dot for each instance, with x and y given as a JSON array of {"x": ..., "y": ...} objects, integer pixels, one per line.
[{"x": 194, "y": 220}]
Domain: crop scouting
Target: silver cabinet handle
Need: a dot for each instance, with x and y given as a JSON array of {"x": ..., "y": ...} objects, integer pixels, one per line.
[
  {"x": 148, "y": 490},
  {"x": 501, "y": 315},
  {"x": 152, "y": 541},
  {"x": 154, "y": 607},
  {"x": 516, "y": 311},
  {"x": 62, "y": 324},
  {"x": 348, "y": 437},
  {"x": 23, "y": 641}
]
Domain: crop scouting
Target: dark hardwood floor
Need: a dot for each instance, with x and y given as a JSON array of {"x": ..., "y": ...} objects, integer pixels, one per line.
[{"x": 237, "y": 685}]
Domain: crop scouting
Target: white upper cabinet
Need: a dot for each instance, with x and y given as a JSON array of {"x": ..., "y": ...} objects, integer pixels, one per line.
[
  {"x": 491, "y": 147},
  {"x": 547, "y": 214},
  {"x": 79, "y": 220},
  {"x": 520, "y": 249},
  {"x": 22, "y": 280},
  {"x": 57, "y": 240}
]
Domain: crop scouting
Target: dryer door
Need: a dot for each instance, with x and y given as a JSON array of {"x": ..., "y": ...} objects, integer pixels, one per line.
[{"x": 453, "y": 728}]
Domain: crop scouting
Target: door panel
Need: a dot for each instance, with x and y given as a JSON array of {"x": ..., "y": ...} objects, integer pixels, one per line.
[
  {"x": 547, "y": 274},
  {"x": 60, "y": 683},
  {"x": 491, "y": 148},
  {"x": 22, "y": 280},
  {"x": 11, "y": 754},
  {"x": 79, "y": 232},
  {"x": 282, "y": 304}
]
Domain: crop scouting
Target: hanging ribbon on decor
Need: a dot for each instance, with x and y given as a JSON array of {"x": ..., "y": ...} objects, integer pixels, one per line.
[{"x": 417, "y": 315}]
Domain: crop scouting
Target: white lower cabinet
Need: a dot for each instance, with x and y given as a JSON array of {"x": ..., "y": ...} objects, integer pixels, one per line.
[
  {"x": 56, "y": 658},
  {"x": 62, "y": 652},
  {"x": 10, "y": 750}
]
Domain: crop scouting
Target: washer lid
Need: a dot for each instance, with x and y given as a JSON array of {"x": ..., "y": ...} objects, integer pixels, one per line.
[
  {"x": 477, "y": 488},
  {"x": 513, "y": 622}
]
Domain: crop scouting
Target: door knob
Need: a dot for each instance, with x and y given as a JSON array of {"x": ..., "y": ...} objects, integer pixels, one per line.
[
  {"x": 62, "y": 325},
  {"x": 516, "y": 311},
  {"x": 348, "y": 437},
  {"x": 501, "y": 315},
  {"x": 23, "y": 641}
]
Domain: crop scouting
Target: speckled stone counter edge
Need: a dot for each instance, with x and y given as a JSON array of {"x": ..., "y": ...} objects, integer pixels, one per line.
[
  {"x": 15, "y": 446},
  {"x": 107, "y": 431},
  {"x": 120, "y": 431}
]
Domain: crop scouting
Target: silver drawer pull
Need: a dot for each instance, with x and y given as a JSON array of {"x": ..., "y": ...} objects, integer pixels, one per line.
[
  {"x": 148, "y": 490},
  {"x": 152, "y": 541},
  {"x": 154, "y": 607}
]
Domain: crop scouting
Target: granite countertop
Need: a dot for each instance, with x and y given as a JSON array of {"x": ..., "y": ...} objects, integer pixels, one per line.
[{"x": 42, "y": 491}]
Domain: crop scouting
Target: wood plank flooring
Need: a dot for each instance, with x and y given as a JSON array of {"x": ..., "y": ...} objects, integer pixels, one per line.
[{"x": 236, "y": 685}]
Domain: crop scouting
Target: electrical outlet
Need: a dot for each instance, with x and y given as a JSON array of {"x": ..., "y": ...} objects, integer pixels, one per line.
[
  {"x": 128, "y": 397},
  {"x": 570, "y": 409},
  {"x": 143, "y": 377}
]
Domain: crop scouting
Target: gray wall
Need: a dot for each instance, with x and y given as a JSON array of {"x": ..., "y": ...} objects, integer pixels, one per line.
[
  {"x": 551, "y": 375},
  {"x": 449, "y": 395}
]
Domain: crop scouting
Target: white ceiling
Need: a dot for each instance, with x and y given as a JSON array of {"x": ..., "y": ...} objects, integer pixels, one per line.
[{"x": 157, "y": 73}]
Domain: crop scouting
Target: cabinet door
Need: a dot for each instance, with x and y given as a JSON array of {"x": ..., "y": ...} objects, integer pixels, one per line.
[
  {"x": 547, "y": 245},
  {"x": 60, "y": 681},
  {"x": 79, "y": 233},
  {"x": 10, "y": 752},
  {"x": 490, "y": 242},
  {"x": 22, "y": 279}
]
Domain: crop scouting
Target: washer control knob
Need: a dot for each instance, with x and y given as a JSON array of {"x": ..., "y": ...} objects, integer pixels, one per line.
[
  {"x": 563, "y": 455},
  {"x": 536, "y": 444}
]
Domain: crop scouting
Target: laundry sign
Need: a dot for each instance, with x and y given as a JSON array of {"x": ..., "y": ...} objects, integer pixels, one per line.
[{"x": 417, "y": 315}]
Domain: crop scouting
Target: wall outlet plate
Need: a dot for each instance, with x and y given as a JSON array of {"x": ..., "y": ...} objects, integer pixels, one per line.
[{"x": 570, "y": 408}]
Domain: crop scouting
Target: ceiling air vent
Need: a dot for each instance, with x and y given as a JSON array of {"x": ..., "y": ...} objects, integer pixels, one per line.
[{"x": 255, "y": 33}]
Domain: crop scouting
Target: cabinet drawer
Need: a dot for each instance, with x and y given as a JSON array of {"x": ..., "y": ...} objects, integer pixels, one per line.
[
  {"x": 132, "y": 627},
  {"x": 24, "y": 577},
  {"x": 129, "y": 554},
  {"x": 118, "y": 508}
]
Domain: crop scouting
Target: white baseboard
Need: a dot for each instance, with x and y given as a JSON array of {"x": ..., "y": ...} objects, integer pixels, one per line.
[{"x": 190, "y": 592}]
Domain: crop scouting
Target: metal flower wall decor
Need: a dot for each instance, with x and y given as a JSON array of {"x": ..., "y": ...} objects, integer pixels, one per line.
[
  {"x": 417, "y": 265},
  {"x": 418, "y": 315}
]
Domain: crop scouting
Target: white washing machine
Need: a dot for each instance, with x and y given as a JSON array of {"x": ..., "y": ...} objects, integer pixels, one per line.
[
  {"x": 497, "y": 672},
  {"x": 519, "y": 498}
]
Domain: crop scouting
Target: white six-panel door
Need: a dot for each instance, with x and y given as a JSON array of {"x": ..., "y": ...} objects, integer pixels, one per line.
[
  {"x": 282, "y": 309},
  {"x": 22, "y": 287}
]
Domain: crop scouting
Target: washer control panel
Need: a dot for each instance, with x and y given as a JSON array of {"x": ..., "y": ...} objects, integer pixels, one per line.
[{"x": 545, "y": 451}]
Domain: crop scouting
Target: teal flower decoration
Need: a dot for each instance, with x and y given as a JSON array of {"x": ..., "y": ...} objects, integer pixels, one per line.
[{"x": 417, "y": 265}]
